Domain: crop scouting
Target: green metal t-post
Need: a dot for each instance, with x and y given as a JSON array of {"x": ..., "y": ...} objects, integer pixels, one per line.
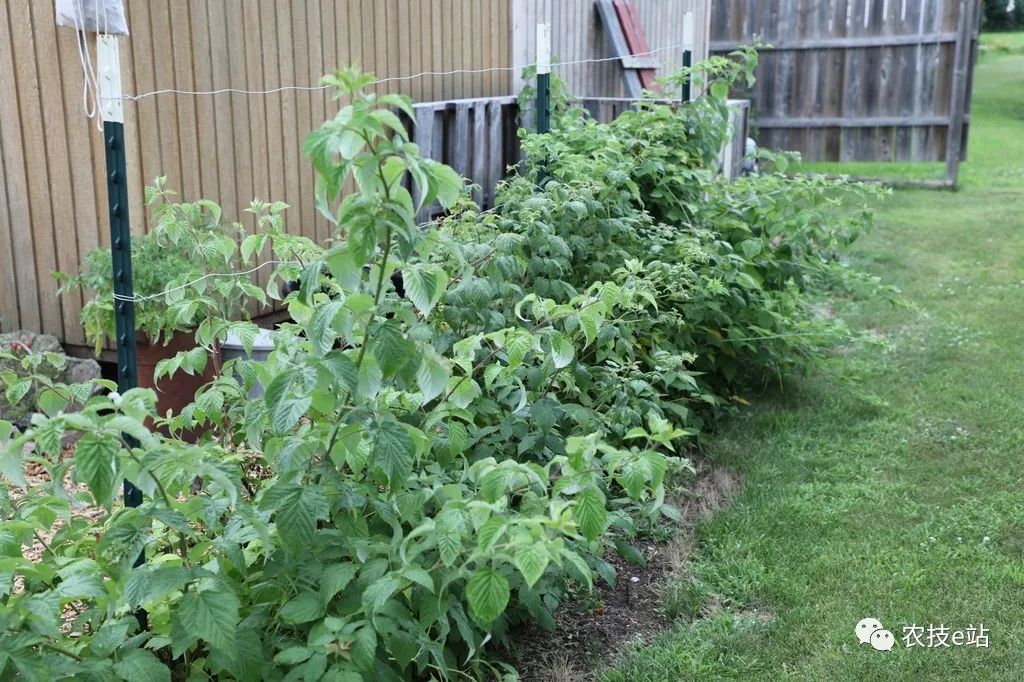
[
  {"x": 120, "y": 225},
  {"x": 543, "y": 78},
  {"x": 689, "y": 40}
]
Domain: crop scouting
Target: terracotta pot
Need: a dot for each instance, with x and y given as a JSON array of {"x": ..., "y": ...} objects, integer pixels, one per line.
[{"x": 175, "y": 392}]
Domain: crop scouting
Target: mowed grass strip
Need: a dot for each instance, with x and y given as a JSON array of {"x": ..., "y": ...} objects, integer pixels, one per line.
[{"x": 897, "y": 492}]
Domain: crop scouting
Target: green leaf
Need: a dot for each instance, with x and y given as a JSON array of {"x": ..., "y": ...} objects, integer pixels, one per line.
[
  {"x": 633, "y": 478},
  {"x": 302, "y": 608},
  {"x": 490, "y": 533},
  {"x": 424, "y": 286},
  {"x": 334, "y": 579},
  {"x": 531, "y": 560},
  {"x": 751, "y": 247},
  {"x": 391, "y": 348},
  {"x": 292, "y": 655},
  {"x": 297, "y": 514},
  {"x": 561, "y": 351},
  {"x": 50, "y": 402},
  {"x": 17, "y": 390},
  {"x": 48, "y": 436},
  {"x": 494, "y": 484},
  {"x": 590, "y": 512},
  {"x": 139, "y": 664},
  {"x": 432, "y": 376},
  {"x": 285, "y": 408},
  {"x": 379, "y": 592},
  {"x": 146, "y": 583},
  {"x": 364, "y": 648},
  {"x": 463, "y": 391},
  {"x": 321, "y": 329},
  {"x": 96, "y": 465},
  {"x": 210, "y": 614},
  {"x": 517, "y": 346},
  {"x": 445, "y": 181},
  {"x": 393, "y": 452},
  {"x": 487, "y": 592},
  {"x": 449, "y": 528}
]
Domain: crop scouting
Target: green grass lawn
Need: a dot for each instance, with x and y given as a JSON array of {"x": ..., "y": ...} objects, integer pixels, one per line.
[{"x": 900, "y": 495}]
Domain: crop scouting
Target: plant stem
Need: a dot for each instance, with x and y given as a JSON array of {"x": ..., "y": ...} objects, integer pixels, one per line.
[{"x": 60, "y": 650}]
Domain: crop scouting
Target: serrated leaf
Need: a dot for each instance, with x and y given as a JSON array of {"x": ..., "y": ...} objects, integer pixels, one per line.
[
  {"x": 297, "y": 514},
  {"x": 432, "y": 377},
  {"x": 517, "y": 346},
  {"x": 420, "y": 577},
  {"x": 445, "y": 182},
  {"x": 561, "y": 351},
  {"x": 489, "y": 533},
  {"x": 302, "y": 608},
  {"x": 292, "y": 655},
  {"x": 145, "y": 584},
  {"x": 487, "y": 592},
  {"x": 590, "y": 512},
  {"x": 334, "y": 579},
  {"x": 364, "y": 648},
  {"x": 379, "y": 592},
  {"x": 139, "y": 664},
  {"x": 96, "y": 464},
  {"x": 321, "y": 332},
  {"x": 531, "y": 560},
  {"x": 751, "y": 247},
  {"x": 633, "y": 478},
  {"x": 493, "y": 484},
  {"x": 463, "y": 391},
  {"x": 17, "y": 390},
  {"x": 393, "y": 452},
  {"x": 210, "y": 614},
  {"x": 390, "y": 347},
  {"x": 424, "y": 286}
]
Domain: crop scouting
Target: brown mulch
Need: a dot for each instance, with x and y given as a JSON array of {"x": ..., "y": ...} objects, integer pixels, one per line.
[
  {"x": 37, "y": 475},
  {"x": 592, "y": 632}
]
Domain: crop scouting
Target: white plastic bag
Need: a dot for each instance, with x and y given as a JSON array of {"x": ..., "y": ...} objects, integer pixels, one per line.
[{"x": 94, "y": 16}]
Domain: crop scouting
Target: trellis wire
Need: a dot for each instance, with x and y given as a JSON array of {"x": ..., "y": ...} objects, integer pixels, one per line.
[
  {"x": 187, "y": 285},
  {"x": 380, "y": 81}
]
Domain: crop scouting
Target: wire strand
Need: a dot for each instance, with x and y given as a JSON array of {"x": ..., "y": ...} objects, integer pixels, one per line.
[
  {"x": 186, "y": 285},
  {"x": 381, "y": 81}
]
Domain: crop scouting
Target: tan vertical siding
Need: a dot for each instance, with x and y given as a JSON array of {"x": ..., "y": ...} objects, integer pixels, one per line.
[{"x": 233, "y": 147}]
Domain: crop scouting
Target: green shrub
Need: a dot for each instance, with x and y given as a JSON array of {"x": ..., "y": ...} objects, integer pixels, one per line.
[
  {"x": 428, "y": 467},
  {"x": 1003, "y": 15}
]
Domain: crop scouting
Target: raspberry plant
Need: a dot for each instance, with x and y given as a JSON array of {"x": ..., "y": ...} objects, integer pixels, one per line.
[{"x": 458, "y": 421}]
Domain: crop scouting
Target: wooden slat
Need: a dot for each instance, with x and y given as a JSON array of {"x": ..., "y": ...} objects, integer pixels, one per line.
[
  {"x": 613, "y": 31},
  {"x": 39, "y": 211},
  {"x": 636, "y": 39},
  {"x": 58, "y": 189},
  {"x": 9, "y": 282},
  {"x": 495, "y": 152},
  {"x": 480, "y": 151}
]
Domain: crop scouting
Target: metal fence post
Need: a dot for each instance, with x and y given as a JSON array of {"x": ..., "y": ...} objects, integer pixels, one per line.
[
  {"x": 543, "y": 77},
  {"x": 112, "y": 112},
  {"x": 689, "y": 44}
]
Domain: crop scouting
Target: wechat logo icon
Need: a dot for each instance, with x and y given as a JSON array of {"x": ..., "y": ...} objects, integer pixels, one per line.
[{"x": 870, "y": 631}]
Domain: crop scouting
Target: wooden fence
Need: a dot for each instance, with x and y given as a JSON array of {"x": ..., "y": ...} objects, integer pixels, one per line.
[
  {"x": 233, "y": 147},
  {"x": 858, "y": 80},
  {"x": 479, "y": 137}
]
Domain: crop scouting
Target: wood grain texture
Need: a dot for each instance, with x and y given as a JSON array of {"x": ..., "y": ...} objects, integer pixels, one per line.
[
  {"x": 856, "y": 80},
  {"x": 234, "y": 147}
]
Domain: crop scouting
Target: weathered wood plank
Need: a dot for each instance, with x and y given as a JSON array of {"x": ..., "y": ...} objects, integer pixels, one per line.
[{"x": 613, "y": 31}]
